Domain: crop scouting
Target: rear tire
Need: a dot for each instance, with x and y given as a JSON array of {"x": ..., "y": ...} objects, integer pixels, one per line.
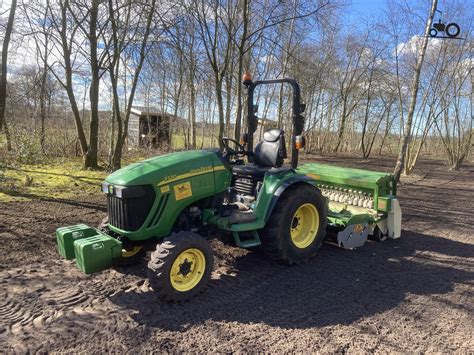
[
  {"x": 297, "y": 225},
  {"x": 181, "y": 266}
]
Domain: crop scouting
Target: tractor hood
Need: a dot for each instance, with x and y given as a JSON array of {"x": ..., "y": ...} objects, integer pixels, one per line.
[{"x": 163, "y": 168}]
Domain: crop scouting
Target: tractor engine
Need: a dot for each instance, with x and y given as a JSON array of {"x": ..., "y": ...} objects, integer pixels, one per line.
[
  {"x": 245, "y": 189},
  {"x": 245, "y": 186}
]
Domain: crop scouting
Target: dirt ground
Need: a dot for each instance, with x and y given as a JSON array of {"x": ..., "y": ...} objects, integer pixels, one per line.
[{"x": 412, "y": 294}]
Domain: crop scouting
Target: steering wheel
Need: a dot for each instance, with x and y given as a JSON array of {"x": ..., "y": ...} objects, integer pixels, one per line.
[{"x": 240, "y": 148}]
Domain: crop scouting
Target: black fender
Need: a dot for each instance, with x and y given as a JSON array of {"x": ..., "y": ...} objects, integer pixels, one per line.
[{"x": 286, "y": 184}]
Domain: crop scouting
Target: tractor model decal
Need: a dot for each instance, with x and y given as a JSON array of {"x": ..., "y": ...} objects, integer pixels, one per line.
[{"x": 193, "y": 172}]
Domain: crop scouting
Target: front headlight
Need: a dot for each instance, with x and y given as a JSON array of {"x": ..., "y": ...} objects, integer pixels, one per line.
[
  {"x": 105, "y": 188},
  {"x": 127, "y": 191},
  {"x": 118, "y": 192}
]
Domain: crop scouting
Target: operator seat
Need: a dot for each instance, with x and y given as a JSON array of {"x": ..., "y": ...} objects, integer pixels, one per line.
[{"x": 268, "y": 154}]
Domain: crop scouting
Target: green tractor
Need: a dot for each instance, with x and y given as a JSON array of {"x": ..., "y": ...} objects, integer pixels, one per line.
[{"x": 174, "y": 203}]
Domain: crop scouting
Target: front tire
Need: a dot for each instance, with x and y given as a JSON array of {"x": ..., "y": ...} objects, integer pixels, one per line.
[
  {"x": 181, "y": 266},
  {"x": 297, "y": 225}
]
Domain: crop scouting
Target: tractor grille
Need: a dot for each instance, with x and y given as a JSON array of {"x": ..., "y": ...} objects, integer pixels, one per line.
[{"x": 128, "y": 214}]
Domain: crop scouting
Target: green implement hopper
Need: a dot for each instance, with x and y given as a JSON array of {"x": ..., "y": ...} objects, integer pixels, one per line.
[{"x": 361, "y": 203}]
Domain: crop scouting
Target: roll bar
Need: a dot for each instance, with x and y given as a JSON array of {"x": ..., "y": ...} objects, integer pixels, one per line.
[{"x": 297, "y": 109}]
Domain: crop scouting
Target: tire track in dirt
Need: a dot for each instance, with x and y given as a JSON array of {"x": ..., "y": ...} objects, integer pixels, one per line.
[
  {"x": 65, "y": 297},
  {"x": 377, "y": 298},
  {"x": 14, "y": 313},
  {"x": 39, "y": 303}
]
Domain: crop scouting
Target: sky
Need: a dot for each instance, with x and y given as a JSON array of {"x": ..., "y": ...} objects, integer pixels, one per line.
[
  {"x": 367, "y": 6},
  {"x": 364, "y": 8},
  {"x": 356, "y": 14}
]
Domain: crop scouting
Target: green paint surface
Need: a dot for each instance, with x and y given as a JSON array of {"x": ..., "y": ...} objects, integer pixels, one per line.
[{"x": 201, "y": 169}]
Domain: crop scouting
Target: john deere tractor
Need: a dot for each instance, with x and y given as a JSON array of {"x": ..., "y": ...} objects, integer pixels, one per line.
[{"x": 174, "y": 203}]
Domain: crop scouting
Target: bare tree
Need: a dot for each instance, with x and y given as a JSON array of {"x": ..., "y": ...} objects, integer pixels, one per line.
[
  {"x": 142, "y": 28},
  {"x": 414, "y": 93},
  {"x": 3, "y": 74},
  {"x": 218, "y": 45},
  {"x": 350, "y": 86},
  {"x": 187, "y": 58},
  {"x": 63, "y": 39},
  {"x": 457, "y": 111}
]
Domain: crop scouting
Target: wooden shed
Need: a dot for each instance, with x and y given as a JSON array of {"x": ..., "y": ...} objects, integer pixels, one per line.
[{"x": 148, "y": 127}]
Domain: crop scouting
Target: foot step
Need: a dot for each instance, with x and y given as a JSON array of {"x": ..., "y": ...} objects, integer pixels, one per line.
[{"x": 250, "y": 241}]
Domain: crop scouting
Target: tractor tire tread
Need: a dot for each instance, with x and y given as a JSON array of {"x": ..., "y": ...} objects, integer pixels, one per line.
[
  {"x": 274, "y": 244},
  {"x": 163, "y": 257}
]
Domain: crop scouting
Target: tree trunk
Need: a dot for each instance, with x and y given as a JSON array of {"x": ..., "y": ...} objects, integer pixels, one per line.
[
  {"x": 220, "y": 109},
  {"x": 3, "y": 74},
  {"x": 7, "y": 136},
  {"x": 414, "y": 93},
  {"x": 192, "y": 108},
  {"x": 228, "y": 101},
  {"x": 122, "y": 125},
  {"x": 90, "y": 158},
  {"x": 43, "y": 95},
  {"x": 238, "y": 117},
  {"x": 342, "y": 126},
  {"x": 68, "y": 86},
  {"x": 240, "y": 72}
]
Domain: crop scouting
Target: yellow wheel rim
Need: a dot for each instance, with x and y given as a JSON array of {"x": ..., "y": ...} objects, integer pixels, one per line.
[
  {"x": 127, "y": 253},
  {"x": 187, "y": 270},
  {"x": 304, "y": 225}
]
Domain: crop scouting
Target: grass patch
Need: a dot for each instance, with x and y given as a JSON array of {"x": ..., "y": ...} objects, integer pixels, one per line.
[
  {"x": 177, "y": 142},
  {"x": 64, "y": 178},
  {"x": 58, "y": 178},
  {"x": 61, "y": 178}
]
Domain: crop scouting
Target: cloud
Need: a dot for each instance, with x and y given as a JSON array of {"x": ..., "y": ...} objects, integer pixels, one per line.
[{"x": 413, "y": 46}]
